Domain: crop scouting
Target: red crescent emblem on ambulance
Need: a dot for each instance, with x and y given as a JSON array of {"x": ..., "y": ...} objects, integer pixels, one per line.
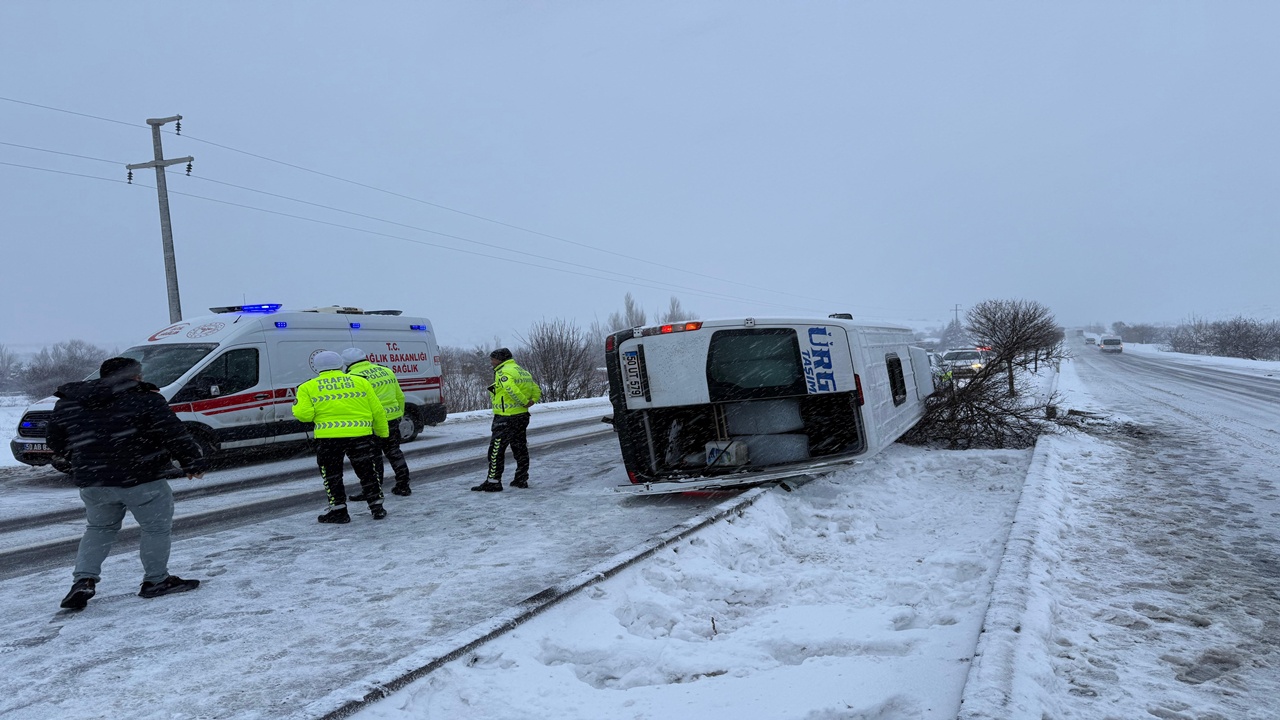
[{"x": 171, "y": 330}]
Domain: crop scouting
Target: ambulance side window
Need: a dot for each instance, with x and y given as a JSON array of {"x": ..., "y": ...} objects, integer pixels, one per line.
[{"x": 229, "y": 373}]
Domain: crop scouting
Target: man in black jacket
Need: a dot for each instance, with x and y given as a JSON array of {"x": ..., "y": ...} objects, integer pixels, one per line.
[{"x": 119, "y": 437}]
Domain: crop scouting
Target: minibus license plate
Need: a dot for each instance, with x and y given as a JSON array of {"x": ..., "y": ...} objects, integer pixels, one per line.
[{"x": 631, "y": 369}]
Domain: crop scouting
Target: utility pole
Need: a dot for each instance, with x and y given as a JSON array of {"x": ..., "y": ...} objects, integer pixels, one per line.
[
  {"x": 166, "y": 228},
  {"x": 957, "y": 312}
]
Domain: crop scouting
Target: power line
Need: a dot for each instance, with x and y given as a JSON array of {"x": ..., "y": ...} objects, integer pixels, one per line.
[
  {"x": 664, "y": 266},
  {"x": 636, "y": 281},
  {"x": 631, "y": 281},
  {"x": 64, "y": 172},
  {"x": 670, "y": 286},
  {"x": 58, "y": 152}
]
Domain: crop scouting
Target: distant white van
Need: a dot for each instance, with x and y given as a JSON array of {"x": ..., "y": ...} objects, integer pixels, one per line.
[
  {"x": 231, "y": 376},
  {"x": 727, "y": 403},
  {"x": 1111, "y": 344}
]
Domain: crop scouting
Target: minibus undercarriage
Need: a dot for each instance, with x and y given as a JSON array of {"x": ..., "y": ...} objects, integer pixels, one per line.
[{"x": 733, "y": 437}]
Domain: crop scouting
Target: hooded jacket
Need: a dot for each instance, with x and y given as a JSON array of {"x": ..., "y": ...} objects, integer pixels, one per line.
[
  {"x": 119, "y": 433},
  {"x": 513, "y": 389},
  {"x": 385, "y": 386}
]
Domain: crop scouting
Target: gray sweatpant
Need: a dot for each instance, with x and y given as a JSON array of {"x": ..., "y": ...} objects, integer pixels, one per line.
[{"x": 152, "y": 507}]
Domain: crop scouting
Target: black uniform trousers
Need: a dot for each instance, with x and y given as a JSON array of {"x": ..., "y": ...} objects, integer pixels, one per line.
[
  {"x": 509, "y": 431},
  {"x": 390, "y": 447},
  {"x": 364, "y": 460}
]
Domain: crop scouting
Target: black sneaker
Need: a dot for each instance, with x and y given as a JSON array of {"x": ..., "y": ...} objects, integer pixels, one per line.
[
  {"x": 488, "y": 486},
  {"x": 401, "y": 489},
  {"x": 81, "y": 591},
  {"x": 336, "y": 515},
  {"x": 522, "y": 484},
  {"x": 378, "y": 511},
  {"x": 171, "y": 584}
]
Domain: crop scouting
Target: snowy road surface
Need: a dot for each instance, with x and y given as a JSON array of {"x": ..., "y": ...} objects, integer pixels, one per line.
[
  {"x": 1138, "y": 580},
  {"x": 1156, "y": 573}
]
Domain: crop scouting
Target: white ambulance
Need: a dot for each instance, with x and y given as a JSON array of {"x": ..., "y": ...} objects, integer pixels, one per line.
[{"x": 231, "y": 376}]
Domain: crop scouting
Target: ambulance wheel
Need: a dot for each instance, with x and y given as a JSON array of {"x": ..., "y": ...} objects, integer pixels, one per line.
[{"x": 409, "y": 426}]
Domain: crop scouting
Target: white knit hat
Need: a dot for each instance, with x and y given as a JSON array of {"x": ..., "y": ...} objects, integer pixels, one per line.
[
  {"x": 353, "y": 355},
  {"x": 327, "y": 360}
]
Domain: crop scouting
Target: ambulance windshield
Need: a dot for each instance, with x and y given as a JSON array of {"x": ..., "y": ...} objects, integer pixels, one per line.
[{"x": 163, "y": 364}]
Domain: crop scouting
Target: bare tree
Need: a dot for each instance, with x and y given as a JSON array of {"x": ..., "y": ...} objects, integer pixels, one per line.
[
  {"x": 953, "y": 336},
  {"x": 1139, "y": 332},
  {"x": 676, "y": 313},
  {"x": 58, "y": 364},
  {"x": 10, "y": 365},
  {"x": 467, "y": 375},
  {"x": 985, "y": 411},
  {"x": 564, "y": 360},
  {"x": 1019, "y": 333},
  {"x": 632, "y": 315}
]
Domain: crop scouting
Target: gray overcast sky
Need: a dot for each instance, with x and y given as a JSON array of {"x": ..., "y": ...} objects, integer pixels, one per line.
[{"x": 1114, "y": 161}]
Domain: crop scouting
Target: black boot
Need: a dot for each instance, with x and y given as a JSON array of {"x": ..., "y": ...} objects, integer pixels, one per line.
[
  {"x": 171, "y": 584},
  {"x": 488, "y": 486},
  {"x": 336, "y": 515},
  {"x": 401, "y": 489},
  {"x": 378, "y": 512},
  {"x": 81, "y": 591}
]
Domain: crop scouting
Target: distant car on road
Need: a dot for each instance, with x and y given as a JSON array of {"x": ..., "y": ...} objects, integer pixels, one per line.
[
  {"x": 1091, "y": 340},
  {"x": 1111, "y": 343},
  {"x": 963, "y": 363}
]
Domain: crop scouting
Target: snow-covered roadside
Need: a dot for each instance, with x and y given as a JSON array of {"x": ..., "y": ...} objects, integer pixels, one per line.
[
  {"x": 1139, "y": 579},
  {"x": 1259, "y": 368},
  {"x": 11, "y": 409},
  {"x": 858, "y": 595}
]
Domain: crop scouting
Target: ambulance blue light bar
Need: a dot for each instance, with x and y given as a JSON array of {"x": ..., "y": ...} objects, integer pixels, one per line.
[
  {"x": 355, "y": 326},
  {"x": 260, "y": 308},
  {"x": 281, "y": 324},
  {"x": 417, "y": 327}
]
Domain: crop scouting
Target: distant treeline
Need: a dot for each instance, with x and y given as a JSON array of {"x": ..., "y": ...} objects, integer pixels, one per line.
[{"x": 1239, "y": 337}]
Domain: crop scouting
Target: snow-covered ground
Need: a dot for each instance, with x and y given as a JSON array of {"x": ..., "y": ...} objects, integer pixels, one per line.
[
  {"x": 1126, "y": 571},
  {"x": 11, "y": 409}
]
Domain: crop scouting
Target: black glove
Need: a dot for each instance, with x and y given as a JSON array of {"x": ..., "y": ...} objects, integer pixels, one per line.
[{"x": 61, "y": 464}]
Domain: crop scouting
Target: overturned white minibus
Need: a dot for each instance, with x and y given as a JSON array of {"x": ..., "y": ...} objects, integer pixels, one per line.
[{"x": 719, "y": 404}]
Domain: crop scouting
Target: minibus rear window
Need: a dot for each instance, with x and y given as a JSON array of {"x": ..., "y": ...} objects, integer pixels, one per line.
[
  {"x": 163, "y": 364},
  {"x": 749, "y": 364}
]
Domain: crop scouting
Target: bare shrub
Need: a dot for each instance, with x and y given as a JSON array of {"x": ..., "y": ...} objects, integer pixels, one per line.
[
  {"x": 981, "y": 413},
  {"x": 467, "y": 375},
  {"x": 1140, "y": 332},
  {"x": 58, "y": 364},
  {"x": 10, "y": 366},
  {"x": 563, "y": 359}
]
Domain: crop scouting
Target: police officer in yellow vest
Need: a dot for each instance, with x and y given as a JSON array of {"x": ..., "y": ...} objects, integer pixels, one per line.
[
  {"x": 347, "y": 416},
  {"x": 513, "y": 392},
  {"x": 391, "y": 396}
]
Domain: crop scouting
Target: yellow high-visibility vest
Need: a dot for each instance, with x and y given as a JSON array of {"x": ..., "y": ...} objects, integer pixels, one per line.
[{"x": 340, "y": 405}]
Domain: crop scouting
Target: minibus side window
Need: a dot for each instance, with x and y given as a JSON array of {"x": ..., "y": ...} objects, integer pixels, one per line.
[{"x": 897, "y": 381}]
